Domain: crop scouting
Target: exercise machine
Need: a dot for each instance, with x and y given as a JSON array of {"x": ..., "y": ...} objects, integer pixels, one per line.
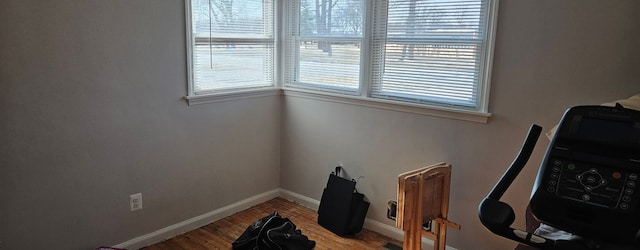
[{"x": 587, "y": 183}]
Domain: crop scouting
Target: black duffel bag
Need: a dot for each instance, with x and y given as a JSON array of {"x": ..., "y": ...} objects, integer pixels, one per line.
[
  {"x": 342, "y": 209},
  {"x": 273, "y": 232}
]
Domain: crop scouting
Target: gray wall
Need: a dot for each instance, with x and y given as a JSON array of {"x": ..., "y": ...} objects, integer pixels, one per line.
[
  {"x": 91, "y": 111},
  {"x": 550, "y": 55}
]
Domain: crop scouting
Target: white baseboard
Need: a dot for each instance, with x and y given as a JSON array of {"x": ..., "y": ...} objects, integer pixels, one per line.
[
  {"x": 300, "y": 199},
  {"x": 204, "y": 219},
  {"x": 198, "y": 221}
]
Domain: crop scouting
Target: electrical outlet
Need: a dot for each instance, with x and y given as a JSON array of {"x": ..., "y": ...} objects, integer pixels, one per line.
[
  {"x": 135, "y": 201},
  {"x": 392, "y": 210}
]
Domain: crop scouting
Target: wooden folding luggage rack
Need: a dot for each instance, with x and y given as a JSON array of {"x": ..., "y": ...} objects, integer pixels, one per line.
[{"x": 423, "y": 196}]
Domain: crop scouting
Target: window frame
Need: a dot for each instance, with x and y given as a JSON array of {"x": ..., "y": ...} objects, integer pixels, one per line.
[
  {"x": 290, "y": 64},
  {"x": 448, "y": 98},
  {"x": 194, "y": 98},
  {"x": 365, "y": 97}
]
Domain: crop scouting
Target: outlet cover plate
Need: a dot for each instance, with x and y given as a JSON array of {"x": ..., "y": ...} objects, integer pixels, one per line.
[{"x": 135, "y": 202}]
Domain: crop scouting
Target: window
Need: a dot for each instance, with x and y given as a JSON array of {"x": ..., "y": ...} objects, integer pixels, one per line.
[
  {"x": 417, "y": 52},
  {"x": 230, "y": 45},
  {"x": 403, "y": 53},
  {"x": 324, "y": 44}
]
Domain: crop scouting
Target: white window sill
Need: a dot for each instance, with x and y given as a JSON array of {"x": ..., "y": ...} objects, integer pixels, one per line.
[
  {"x": 229, "y": 96},
  {"x": 472, "y": 116}
]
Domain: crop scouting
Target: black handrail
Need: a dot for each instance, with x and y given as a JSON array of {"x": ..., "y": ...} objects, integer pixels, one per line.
[{"x": 518, "y": 164}]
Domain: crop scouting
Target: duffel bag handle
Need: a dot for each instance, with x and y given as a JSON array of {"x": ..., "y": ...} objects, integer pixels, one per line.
[{"x": 337, "y": 171}]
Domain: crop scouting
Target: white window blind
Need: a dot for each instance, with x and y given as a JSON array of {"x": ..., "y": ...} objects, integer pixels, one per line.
[
  {"x": 430, "y": 51},
  {"x": 323, "y": 44},
  {"x": 231, "y": 45}
]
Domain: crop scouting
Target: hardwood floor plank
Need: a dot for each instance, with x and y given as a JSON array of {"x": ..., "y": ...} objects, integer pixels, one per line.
[
  {"x": 207, "y": 239},
  {"x": 220, "y": 234}
]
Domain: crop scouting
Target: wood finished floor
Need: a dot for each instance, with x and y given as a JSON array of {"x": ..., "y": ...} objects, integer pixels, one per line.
[{"x": 220, "y": 234}]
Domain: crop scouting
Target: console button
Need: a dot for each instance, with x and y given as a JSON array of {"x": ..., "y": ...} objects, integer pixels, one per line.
[{"x": 616, "y": 175}]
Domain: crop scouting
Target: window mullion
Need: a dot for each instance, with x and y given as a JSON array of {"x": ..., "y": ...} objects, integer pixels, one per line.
[{"x": 366, "y": 55}]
